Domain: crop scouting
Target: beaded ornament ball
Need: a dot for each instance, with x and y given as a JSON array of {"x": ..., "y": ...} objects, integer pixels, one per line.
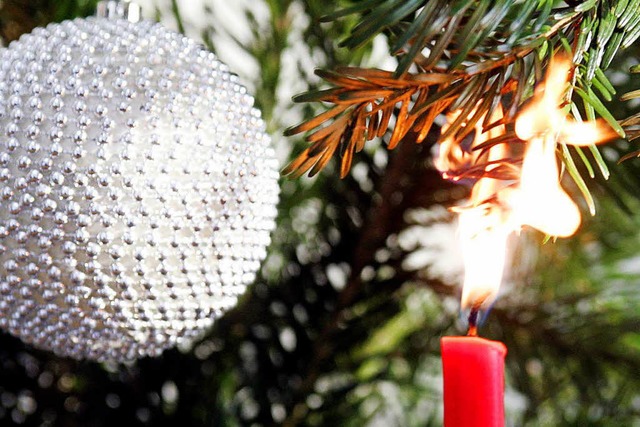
[{"x": 138, "y": 189}]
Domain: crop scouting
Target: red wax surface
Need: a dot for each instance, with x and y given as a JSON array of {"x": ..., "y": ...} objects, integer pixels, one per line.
[{"x": 473, "y": 382}]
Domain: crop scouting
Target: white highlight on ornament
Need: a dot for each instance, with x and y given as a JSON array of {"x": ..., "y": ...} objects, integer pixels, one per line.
[{"x": 138, "y": 189}]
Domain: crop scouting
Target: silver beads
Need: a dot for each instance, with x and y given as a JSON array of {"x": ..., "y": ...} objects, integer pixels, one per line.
[{"x": 137, "y": 189}]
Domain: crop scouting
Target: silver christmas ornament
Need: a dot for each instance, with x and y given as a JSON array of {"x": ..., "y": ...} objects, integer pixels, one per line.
[{"x": 138, "y": 188}]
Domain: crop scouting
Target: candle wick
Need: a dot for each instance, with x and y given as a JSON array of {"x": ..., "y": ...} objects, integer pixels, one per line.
[{"x": 473, "y": 322}]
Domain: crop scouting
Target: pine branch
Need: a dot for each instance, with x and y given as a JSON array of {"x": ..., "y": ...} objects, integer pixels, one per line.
[
  {"x": 415, "y": 99},
  {"x": 364, "y": 102},
  {"x": 468, "y": 57}
]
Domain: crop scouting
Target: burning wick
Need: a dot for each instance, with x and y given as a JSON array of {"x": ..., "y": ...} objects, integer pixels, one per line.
[{"x": 473, "y": 322}]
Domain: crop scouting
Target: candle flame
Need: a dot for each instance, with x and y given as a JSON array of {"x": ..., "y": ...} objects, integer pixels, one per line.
[
  {"x": 483, "y": 235},
  {"x": 483, "y": 227},
  {"x": 498, "y": 207}
]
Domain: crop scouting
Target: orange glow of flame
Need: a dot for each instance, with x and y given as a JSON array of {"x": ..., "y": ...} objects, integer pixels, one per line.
[
  {"x": 497, "y": 209},
  {"x": 540, "y": 201},
  {"x": 545, "y": 116},
  {"x": 451, "y": 157}
]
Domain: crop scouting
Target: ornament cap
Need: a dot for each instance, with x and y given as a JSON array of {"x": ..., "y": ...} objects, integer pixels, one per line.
[{"x": 115, "y": 9}]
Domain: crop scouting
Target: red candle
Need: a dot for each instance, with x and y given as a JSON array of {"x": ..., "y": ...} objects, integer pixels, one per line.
[{"x": 473, "y": 382}]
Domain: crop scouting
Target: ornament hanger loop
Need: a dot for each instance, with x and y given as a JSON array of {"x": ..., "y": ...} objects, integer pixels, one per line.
[{"x": 124, "y": 9}]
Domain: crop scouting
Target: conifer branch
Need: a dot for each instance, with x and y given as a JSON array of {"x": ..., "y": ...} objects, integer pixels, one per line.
[{"x": 463, "y": 56}]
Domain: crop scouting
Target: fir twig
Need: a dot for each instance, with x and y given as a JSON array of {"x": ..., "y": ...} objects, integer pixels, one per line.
[{"x": 461, "y": 56}]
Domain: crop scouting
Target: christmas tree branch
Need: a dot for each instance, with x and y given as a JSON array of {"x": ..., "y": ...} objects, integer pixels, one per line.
[{"x": 464, "y": 57}]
